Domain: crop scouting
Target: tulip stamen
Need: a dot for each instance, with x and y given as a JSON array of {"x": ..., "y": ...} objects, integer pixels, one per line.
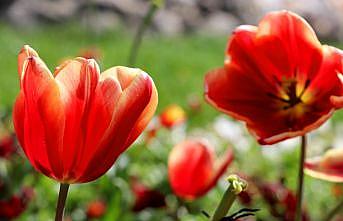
[{"x": 290, "y": 90}]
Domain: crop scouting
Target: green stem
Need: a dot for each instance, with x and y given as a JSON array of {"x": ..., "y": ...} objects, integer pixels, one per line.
[
  {"x": 333, "y": 213},
  {"x": 236, "y": 185},
  {"x": 300, "y": 179},
  {"x": 62, "y": 196},
  {"x": 140, "y": 32}
]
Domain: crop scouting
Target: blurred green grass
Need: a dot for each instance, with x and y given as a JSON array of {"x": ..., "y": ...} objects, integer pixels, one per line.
[{"x": 177, "y": 64}]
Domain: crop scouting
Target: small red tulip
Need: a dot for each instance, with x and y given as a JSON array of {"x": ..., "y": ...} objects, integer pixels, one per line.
[
  {"x": 328, "y": 167},
  {"x": 96, "y": 209},
  {"x": 277, "y": 78},
  {"x": 75, "y": 123},
  {"x": 192, "y": 170},
  {"x": 172, "y": 116},
  {"x": 146, "y": 197}
]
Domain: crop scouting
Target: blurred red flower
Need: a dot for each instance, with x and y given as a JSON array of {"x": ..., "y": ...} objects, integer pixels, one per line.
[
  {"x": 7, "y": 146},
  {"x": 74, "y": 124},
  {"x": 192, "y": 170},
  {"x": 172, "y": 116},
  {"x": 145, "y": 197},
  {"x": 281, "y": 200},
  {"x": 327, "y": 167},
  {"x": 14, "y": 206},
  {"x": 277, "y": 78},
  {"x": 337, "y": 190},
  {"x": 96, "y": 209},
  {"x": 246, "y": 198}
]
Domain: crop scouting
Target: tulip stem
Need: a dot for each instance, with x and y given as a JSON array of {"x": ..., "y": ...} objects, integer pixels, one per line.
[
  {"x": 140, "y": 32},
  {"x": 62, "y": 196},
  {"x": 298, "y": 213},
  {"x": 236, "y": 185},
  {"x": 333, "y": 213}
]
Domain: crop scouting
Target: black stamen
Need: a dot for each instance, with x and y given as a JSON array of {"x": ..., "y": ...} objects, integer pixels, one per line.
[
  {"x": 205, "y": 214},
  {"x": 244, "y": 210},
  {"x": 243, "y": 215}
]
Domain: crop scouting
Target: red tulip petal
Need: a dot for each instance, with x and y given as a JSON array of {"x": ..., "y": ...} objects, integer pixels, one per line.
[
  {"x": 25, "y": 53},
  {"x": 100, "y": 115},
  {"x": 218, "y": 172},
  {"x": 337, "y": 101},
  {"x": 77, "y": 80},
  {"x": 137, "y": 96},
  {"x": 329, "y": 167},
  {"x": 43, "y": 118},
  {"x": 287, "y": 34},
  {"x": 18, "y": 118}
]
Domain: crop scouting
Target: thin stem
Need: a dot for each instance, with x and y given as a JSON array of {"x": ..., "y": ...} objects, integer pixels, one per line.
[
  {"x": 300, "y": 179},
  {"x": 333, "y": 213},
  {"x": 62, "y": 196},
  {"x": 140, "y": 32},
  {"x": 236, "y": 185}
]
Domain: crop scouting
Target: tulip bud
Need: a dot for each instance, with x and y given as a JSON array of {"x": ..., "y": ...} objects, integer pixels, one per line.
[{"x": 192, "y": 170}]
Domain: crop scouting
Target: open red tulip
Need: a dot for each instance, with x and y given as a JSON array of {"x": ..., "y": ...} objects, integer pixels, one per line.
[
  {"x": 327, "y": 167},
  {"x": 73, "y": 124},
  {"x": 192, "y": 170},
  {"x": 277, "y": 78}
]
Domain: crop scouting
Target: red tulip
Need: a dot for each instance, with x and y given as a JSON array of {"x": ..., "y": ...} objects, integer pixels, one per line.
[
  {"x": 146, "y": 197},
  {"x": 328, "y": 167},
  {"x": 172, "y": 116},
  {"x": 96, "y": 209},
  {"x": 74, "y": 124},
  {"x": 277, "y": 78},
  {"x": 192, "y": 170}
]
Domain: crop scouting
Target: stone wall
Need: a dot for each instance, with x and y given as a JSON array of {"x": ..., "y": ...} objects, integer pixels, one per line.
[{"x": 214, "y": 17}]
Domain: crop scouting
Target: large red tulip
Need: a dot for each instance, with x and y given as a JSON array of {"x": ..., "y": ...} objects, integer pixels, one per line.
[
  {"x": 192, "y": 168},
  {"x": 73, "y": 124},
  {"x": 327, "y": 167},
  {"x": 277, "y": 78}
]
